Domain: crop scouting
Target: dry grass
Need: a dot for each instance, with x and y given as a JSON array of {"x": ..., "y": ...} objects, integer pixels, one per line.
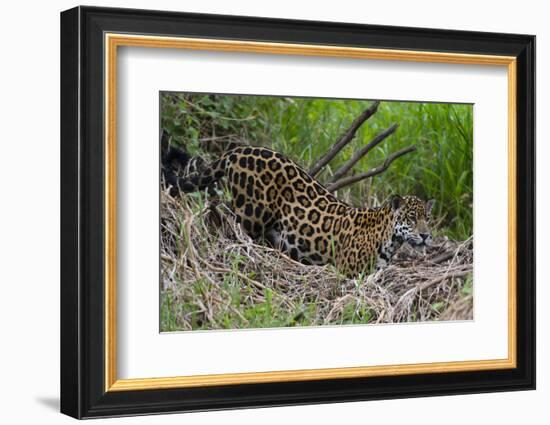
[{"x": 214, "y": 276}]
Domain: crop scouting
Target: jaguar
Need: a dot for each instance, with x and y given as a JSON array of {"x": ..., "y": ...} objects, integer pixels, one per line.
[{"x": 274, "y": 198}]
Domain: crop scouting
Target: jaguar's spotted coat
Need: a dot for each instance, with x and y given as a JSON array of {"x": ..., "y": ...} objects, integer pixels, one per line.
[{"x": 275, "y": 198}]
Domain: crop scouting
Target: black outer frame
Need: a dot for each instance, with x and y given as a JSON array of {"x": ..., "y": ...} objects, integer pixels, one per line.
[{"x": 82, "y": 212}]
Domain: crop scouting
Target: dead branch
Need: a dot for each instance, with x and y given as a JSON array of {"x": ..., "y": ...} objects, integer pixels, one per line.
[
  {"x": 344, "y": 139},
  {"x": 346, "y": 181},
  {"x": 341, "y": 172}
]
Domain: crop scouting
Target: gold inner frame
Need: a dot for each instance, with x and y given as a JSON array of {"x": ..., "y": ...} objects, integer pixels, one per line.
[{"x": 113, "y": 41}]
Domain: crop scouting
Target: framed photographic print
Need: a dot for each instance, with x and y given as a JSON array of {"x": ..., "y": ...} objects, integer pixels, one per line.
[{"x": 261, "y": 212}]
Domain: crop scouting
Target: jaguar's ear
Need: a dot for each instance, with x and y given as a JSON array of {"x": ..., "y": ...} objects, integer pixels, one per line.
[
  {"x": 395, "y": 202},
  {"x": 430, "y": 205}
]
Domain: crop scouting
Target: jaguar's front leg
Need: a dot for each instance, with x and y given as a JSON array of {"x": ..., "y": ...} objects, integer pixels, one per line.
[{"x": 385, "y": 254}]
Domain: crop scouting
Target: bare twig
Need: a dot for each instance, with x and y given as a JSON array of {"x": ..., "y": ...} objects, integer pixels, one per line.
[
  {"x": 442, "y": 257},
  {"x": 346, "y": 181},
  {"x": 341, "y": 172},
  {"x": 344, "y": 139}
]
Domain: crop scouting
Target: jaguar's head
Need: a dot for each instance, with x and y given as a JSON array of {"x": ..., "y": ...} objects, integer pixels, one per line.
[{"x": 412, "y": 223}]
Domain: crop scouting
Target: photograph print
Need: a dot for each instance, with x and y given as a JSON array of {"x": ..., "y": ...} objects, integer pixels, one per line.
[{"x": 288, "y": 211}]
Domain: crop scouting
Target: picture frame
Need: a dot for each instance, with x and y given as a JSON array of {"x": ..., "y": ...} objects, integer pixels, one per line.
[{"x": 90, "y": 40}]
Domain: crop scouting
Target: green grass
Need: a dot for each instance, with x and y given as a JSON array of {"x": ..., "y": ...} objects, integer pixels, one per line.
[
  {"x": 468, "y": 287},
  {"x": 271, "y": 313},
  {"x": 304, "y": 129}
]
